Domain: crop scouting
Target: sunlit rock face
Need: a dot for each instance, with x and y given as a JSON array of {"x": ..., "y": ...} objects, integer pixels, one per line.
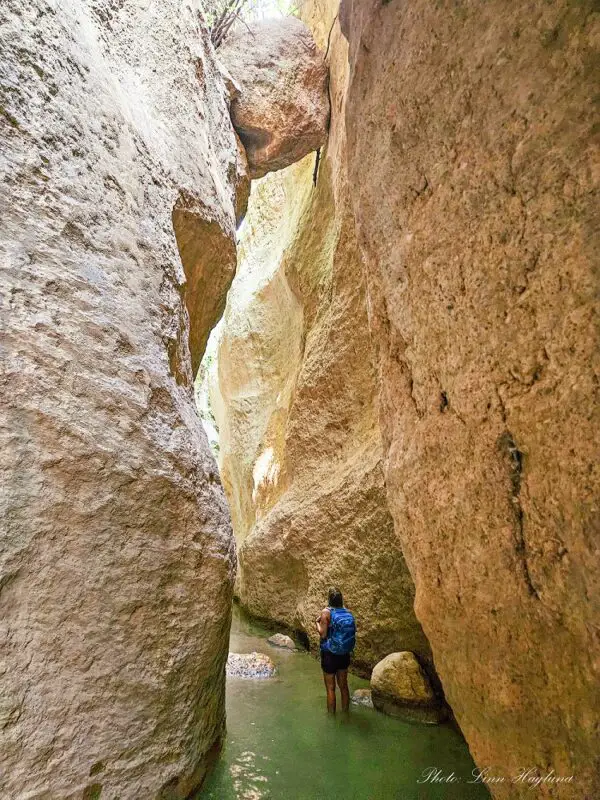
[
  {"x": 116, "y": 552},
  {"x": 301, "y": 454},
  {"x": 476, "y": 207},
  {"x": 280, "y": 108},
  {"x": 259, "y": 350}
]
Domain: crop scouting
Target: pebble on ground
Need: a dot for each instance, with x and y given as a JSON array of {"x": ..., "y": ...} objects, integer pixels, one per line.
[{"x": 250, "y": 665}]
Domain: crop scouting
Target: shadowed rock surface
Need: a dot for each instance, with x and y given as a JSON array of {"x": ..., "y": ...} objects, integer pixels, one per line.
[
  {"x": 281, "y": 110},
  {"x": 116, "y": 559},
  {"x": 476, "y": 206}
]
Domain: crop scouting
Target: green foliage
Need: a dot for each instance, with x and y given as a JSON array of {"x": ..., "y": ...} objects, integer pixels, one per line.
[{"x": 222, "y": 15}]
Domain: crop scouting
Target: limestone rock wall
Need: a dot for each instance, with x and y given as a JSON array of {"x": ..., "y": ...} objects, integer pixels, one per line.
[
  {"x": 301, "y": 455},
  {"x": 116, "y": 555},
  {"x": 258, "y": 354},
  {"x": 472, "y": 147}
]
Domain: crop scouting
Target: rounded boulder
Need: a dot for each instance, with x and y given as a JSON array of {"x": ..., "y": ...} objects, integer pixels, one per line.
[{"x": 400, "y": 688}]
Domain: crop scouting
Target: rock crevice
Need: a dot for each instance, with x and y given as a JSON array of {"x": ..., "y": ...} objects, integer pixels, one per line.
[{"x": 300, "y": 444}]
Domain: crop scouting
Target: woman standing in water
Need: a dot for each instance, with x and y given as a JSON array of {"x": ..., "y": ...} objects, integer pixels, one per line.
[{"x": 337, "y": 629}]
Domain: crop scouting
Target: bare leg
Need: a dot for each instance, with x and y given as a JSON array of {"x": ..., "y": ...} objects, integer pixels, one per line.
[
  {"x": 330, "y": 687},
  {"x": 342, "y": 681}
]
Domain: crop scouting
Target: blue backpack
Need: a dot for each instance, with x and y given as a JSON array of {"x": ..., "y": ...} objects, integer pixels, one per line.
[{"x": 341, "y": 636}]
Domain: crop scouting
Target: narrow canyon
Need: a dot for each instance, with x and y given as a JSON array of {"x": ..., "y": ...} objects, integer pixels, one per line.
[{"x": 295, "y": 298}]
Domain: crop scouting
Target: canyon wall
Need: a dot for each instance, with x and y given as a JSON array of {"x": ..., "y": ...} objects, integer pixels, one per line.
[
  {"x": 472, "y": 150},
  {"x": 296, "y": 405},
  {"x": 117, "y": 557}
]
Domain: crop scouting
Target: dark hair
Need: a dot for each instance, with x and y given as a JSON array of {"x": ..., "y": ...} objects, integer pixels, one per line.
[{"x": 334, "y": 598}]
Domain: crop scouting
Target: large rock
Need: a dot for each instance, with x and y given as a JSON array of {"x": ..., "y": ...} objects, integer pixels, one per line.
[
  {"x": 476, "y": 204},
  {"x": 281, "y": 640},
  {"x": 400, "y": 688},
  {"x": 281, "y": 110},
  {"x": 116, "y": 550},
  {"x": 300, "y": 444}
]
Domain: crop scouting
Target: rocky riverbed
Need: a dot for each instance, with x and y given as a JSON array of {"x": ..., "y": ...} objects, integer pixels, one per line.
[{"x": 250, "y": 665}]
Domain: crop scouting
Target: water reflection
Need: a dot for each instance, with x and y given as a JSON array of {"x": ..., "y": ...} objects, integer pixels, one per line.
[{"x": 282, "y": 745}]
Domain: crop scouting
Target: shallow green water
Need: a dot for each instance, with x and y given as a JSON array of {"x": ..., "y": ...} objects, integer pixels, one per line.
[{"x": 282, "y": 745}]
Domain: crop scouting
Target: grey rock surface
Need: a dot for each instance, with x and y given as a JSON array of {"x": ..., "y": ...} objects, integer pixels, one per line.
[
  {"x": 116, "y": 554},
  {"x": 281, "y": 640},
  {"x": 362, "y": 697},
  {"x": 250, "y": 665}
]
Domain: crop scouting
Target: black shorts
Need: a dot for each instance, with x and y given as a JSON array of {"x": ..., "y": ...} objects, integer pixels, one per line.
[{"x": 331, "y": 662}]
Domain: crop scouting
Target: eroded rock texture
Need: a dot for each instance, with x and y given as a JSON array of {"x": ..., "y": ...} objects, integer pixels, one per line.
[
  {"x": 116, "y": 553},
  {"x": 473, "y": 155},
  {"x": 400, "y": 688},
  {"x": 280, "y": 107},
  {"x": 301, "y": 456}
]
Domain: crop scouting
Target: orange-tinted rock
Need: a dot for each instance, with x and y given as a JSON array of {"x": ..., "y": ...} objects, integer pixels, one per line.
[
  {"x": 471, "y": 153},
  {"x": 300, "y": 443},
  {"x": 116, "y": 555},
  {"x": 281, "y": 111}
]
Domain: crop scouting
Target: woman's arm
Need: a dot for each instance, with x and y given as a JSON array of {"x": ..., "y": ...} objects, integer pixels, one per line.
[{"x": 323, "y": 623}]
